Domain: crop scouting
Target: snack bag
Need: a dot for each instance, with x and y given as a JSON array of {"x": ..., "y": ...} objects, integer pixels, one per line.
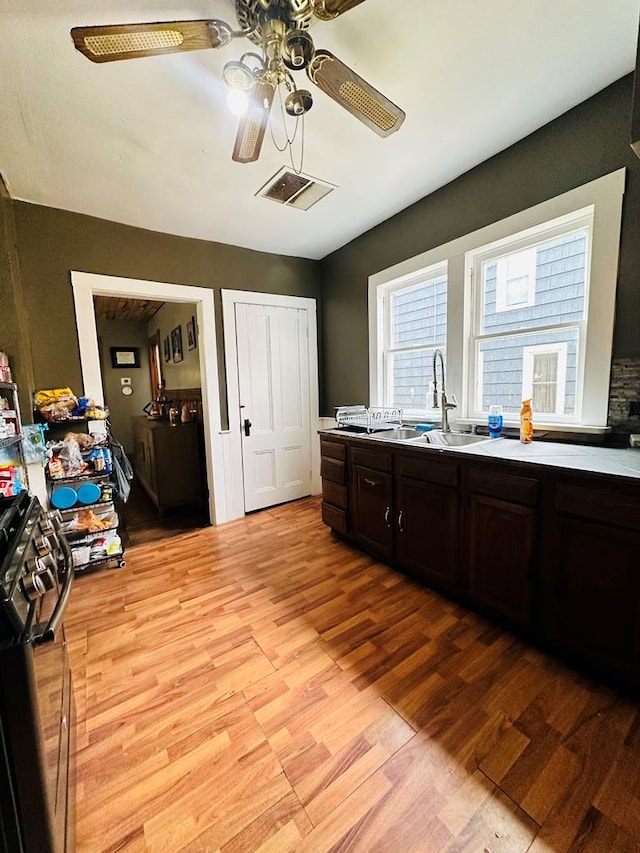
[{"x": 55, "y": 404}]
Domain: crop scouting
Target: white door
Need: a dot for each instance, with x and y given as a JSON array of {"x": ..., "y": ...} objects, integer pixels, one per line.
[{"x": 273, "y": 379}]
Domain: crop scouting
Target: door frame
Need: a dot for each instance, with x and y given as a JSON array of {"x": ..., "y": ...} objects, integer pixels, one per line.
[
  {"x": 87, "y": 285},
  {"x": 230, "y": 298}
]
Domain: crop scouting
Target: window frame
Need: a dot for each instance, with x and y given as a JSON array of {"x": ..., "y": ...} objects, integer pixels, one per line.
[
  {"x": 576, "y": 222},
  {"x": 387, "y": 350},
  {"x": 606, "y": 195}
]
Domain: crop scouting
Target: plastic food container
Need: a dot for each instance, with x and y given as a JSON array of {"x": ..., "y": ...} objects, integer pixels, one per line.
[
  {"x": 88, "y": 493},
  {"x": 63, "y": 497}
]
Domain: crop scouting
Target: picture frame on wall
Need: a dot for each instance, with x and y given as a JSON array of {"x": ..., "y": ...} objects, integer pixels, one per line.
[
  {"x": 176, "y": 344},
  {"x": 125, "y": 357},
  {"x": 166, "y": 347},
  {"x": 191, "y": 333}
]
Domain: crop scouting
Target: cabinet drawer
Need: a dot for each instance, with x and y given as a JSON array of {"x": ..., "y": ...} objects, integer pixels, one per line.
[
  {"x": 334, "y": 493},
  {"x": 377, "y": 459},
  {"x": 508, "y": 487},
  {"x": 428, "y": 469},
  {"x": 335, "y": 449},
  {"x": 332, "y": 469},
  {"x": 334, "y": 518},
  {"x": 606, "y": 507}
]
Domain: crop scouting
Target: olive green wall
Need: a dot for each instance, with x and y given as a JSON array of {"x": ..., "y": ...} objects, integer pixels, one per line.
[
  {"x": 14, "y": 332},
  {"x": 589, "y": 141},
  {"x": 51, "y": 242},
  {"x": 124, "y": 333}
]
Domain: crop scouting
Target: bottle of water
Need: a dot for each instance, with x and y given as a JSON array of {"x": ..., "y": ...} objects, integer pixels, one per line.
[{"x": 495, "y": 421}]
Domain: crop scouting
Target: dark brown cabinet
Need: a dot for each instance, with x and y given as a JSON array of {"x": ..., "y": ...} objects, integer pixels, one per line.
[
  {"x": 335, "y": 494},
  {"x": 167, "y": 462},
  {"x": 500, "y": 541},
  {"x": 592, "y": 578},
  {"x": 371, "y": 510},
  {"x": 426, "y": 503}
]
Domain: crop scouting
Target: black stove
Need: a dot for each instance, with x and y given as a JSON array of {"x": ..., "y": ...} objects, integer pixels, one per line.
[
  {"x": 36, "y": 700},
  {"x": 33, "y": 560}
]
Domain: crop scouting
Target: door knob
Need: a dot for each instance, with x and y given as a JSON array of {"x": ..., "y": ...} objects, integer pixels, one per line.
[{"x": 247, "y": 426}]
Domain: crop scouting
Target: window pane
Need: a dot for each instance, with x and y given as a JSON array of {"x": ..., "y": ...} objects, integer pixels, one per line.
[
  {"x": 419, "y": 314},
  {"x": 411, "y": 374},
  {"x": 500, "y": 372},
  {"x": 558, "y": 290},
  {"x": 517, "y": 291},
  {"x": 545, "y": 382}
]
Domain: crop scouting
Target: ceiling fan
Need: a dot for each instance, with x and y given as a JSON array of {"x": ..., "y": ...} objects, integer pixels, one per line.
[{"x": 280, "y": 30}]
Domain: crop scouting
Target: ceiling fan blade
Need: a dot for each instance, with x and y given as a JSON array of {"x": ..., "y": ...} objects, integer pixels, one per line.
[
  {"x": 326, "y": 10},
  {"x": 130, "y": 41},
  {"x": 354, "y": 94},
  {"x": 253, "y": 124}
]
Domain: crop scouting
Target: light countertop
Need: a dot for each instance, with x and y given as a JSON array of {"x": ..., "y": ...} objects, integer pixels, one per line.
[{"x": 618, "y": 462}]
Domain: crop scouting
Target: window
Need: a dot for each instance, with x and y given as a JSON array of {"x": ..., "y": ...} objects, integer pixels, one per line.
[
  {"x": 544, "y": 378},
  {"x": 415, "y": 325},
  {"x": 543, "y": 326},
  {"x": 516, "y": 280},
  {"x": 524, "y": 306}
]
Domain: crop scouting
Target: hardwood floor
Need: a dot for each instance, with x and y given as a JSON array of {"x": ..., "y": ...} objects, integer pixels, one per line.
[
  {"x": 263, "y": 686},
  {"x": 140, "y": 521}
]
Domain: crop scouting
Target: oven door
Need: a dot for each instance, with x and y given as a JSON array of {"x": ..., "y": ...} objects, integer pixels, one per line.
[{"x": 38, "y": 722}]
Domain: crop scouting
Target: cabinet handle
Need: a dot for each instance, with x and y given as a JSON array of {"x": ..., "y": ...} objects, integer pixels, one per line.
[
  {"x": 369, "y": 482},
  {"x": 400, "y": 514},
  {"x": 386, "y": 515}
]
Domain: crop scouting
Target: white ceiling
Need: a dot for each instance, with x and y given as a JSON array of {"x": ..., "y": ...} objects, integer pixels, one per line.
[{"x": 148, "y": 142}]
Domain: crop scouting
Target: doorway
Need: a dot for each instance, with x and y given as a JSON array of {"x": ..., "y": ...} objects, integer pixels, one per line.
[
  {"x": 168, "y": 491},
  {"x": 87, "y": 285}
]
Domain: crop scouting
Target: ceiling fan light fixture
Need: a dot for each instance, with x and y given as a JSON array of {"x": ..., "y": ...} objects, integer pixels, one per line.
[
  {"x": 298, "y": 102},
  {"x": 297, "y": 50},
  {"x": 239, "y": 77}
]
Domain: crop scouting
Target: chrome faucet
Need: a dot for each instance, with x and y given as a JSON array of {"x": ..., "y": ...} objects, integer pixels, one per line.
[{"x": 446, "y": 403}]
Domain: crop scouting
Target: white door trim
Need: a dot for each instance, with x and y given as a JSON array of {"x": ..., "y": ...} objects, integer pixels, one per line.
[
  {"x": 86, "y": 285},
  {"x": 229, "y": 300}
]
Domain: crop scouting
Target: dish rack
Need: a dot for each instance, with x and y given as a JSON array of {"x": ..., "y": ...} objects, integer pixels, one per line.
[{"x": 368, "y": 419}]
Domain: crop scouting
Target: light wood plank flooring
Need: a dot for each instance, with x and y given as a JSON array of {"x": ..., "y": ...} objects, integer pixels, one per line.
[
  {"x": 263, "y": 686},
  {"x": 140, "y": 521}
]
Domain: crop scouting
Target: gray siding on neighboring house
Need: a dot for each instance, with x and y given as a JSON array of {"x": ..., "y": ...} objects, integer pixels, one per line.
[
  {"x": 419, "y": 318},
  {"x": 559, "y": 299}
]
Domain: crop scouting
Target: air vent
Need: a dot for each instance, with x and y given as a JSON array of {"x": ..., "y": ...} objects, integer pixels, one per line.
[{"x": 295, "y": 190}]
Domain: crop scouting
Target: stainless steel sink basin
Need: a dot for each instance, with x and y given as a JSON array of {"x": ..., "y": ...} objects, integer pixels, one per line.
[
  {"x": 450, "y": 439},
  {"x": 399, "y": 434}
]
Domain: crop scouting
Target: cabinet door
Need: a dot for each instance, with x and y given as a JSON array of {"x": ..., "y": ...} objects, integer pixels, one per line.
[
  {"x": 501, "y": 552},
  {"x": 427, "y": 525},
  {"x": 592, "y": 582},
  {"x": 142, "y": 457},
  {"x": 371, "y": 510},
  {"x": 174, "y": 460}
]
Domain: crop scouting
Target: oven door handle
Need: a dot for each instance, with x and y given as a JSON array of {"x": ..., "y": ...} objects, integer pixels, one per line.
[{"x": 49, "y": 632}]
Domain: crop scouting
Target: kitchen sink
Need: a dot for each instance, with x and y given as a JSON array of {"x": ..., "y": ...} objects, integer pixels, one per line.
[
  {"x": 399, "y": 434},
  {"x": 450, "y": 439}
]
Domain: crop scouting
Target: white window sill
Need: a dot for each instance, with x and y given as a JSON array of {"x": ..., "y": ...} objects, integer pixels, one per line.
[{"x": 586, "y": 429}]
